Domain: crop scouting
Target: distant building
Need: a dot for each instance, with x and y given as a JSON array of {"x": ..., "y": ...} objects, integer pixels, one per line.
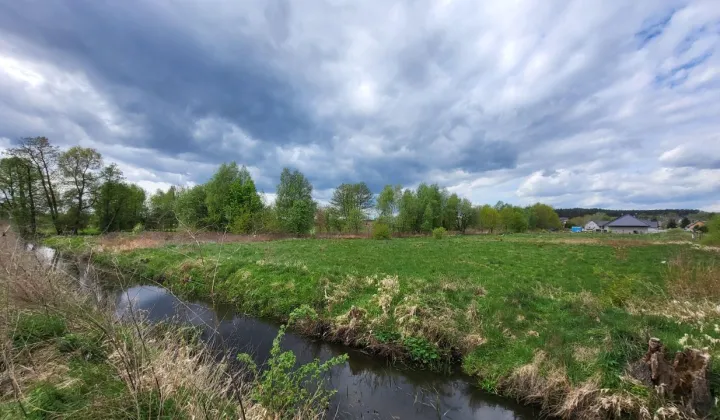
[
  {"x": 630, "y": 224},
  {"x": 596, "y": 226},
  {"x": 653, "y": 225},
  {"x": 563, "y": 221},
  {"x": 691, "y": 227}
]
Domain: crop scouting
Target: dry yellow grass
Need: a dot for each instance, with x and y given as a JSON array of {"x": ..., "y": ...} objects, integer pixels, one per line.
[
  {"x": 687, "y": 279},
  {"x": 547, "y": 385},
  {"x": 146, "y": 359}
]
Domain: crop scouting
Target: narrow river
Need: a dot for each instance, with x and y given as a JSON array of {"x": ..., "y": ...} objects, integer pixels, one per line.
[{"x": 368, "y": 387}]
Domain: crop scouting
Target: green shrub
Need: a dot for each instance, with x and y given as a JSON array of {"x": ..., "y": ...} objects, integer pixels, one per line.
[
  {"x": 381, "y": 231},
  {"x": 303, "y": 313},
  {"x": 90, "y": 230},
  {"x": 138, "y": 228},
  {"x": 304, "y": 319},
  {"x": 286, "y": 389},
  {"x": 422, "y": 351},
  {"x": 387, "y": 336},
  {"x": 33, "y": 328},
  {"x": 439, "y": 233}
]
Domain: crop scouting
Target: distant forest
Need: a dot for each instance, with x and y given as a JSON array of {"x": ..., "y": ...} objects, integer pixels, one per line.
[{"x": 579, "y": 212}]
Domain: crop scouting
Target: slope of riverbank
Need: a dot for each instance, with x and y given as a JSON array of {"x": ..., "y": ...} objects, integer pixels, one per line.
[
  {"x": 65, "y": 354},
  {"x": 548, "y": 321}
]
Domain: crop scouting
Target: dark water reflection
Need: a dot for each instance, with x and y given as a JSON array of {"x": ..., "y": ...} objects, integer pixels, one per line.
[{"x": 368, "y": 387}]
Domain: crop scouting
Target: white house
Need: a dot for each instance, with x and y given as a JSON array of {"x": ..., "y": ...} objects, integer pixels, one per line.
[{"x": 595, "y": 226}]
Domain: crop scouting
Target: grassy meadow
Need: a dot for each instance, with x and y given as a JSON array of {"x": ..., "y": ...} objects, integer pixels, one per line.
[{"x": 526, "y": 314}]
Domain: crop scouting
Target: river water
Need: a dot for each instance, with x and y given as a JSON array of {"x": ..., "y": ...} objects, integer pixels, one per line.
[{"x": 368, "y": 387}]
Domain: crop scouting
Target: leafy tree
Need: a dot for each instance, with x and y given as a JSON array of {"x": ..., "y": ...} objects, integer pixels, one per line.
[
  {"x": 133, "y": 210},
  {"x": 501, "y": 205},
  {"x": 43, "y": 156},
  {"x": 19, "y": 189},
  {"x": 268, "y": 221},
  {"x": 431, "y": 196},
  {"x": 428, "y": 218},
  {"x": 217, "y": 193},
  {"x": 489, "y": 218},
  {"x": 671, "y": 224},
  {"x": 408, "y": 219},
  {"x": 388, "y": 202},
  {"x": 355, "y": 220},
  {"x": 322, "y": 224},
  {"x": 335, "y": 222},
  {"x": 381, "y": 231},
  {"x": 542, "y": 216},
  {"x": 118, "y": 205},
  {"x": 451, "y": 213},
  {"x": 349, "y": 197},
  {"x": 514, "y": 219},
  {"x": 244, "y": 206},
  {"x": 232, "y": 200},
  {"x": 162, "y": 210},
  {"x": 190, "y": 207},
  {"x": 467, "y": 216},
  {"x": 299, "y": 218},
  {"x": 107, "y": 199},
  {"x": 685, "y": 222},
  {"x": 600, "y": 216},
  {"x": 294, "y": 203},
  {"x": 78, "y": 166}
]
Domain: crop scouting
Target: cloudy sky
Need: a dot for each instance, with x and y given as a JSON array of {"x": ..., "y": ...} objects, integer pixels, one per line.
[{"x": 572, "y": 103}]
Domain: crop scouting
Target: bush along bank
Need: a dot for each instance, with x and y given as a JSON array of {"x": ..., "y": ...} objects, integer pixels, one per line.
[{"x": 571, "y": 342}]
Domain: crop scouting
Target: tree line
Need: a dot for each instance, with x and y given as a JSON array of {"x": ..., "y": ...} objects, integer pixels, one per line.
[
  {"x": 73, "y": 191},
  {"x": 43, "y": 186}
]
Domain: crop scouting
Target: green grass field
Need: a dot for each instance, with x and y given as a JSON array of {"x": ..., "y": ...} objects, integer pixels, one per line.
[{"x": 586, "y": 303}]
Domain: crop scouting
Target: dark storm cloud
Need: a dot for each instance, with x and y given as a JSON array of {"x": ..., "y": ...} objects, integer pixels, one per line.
[
  {"x": 152, "y": 67},
  {"x": 536, "y": 100}
]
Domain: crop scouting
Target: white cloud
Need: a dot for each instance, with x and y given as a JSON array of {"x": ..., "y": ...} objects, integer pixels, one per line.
[
  {"x": 151, "y": 187},
  {"x": 694, "y": 155},
  {"x": 221, "y": 133}
]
